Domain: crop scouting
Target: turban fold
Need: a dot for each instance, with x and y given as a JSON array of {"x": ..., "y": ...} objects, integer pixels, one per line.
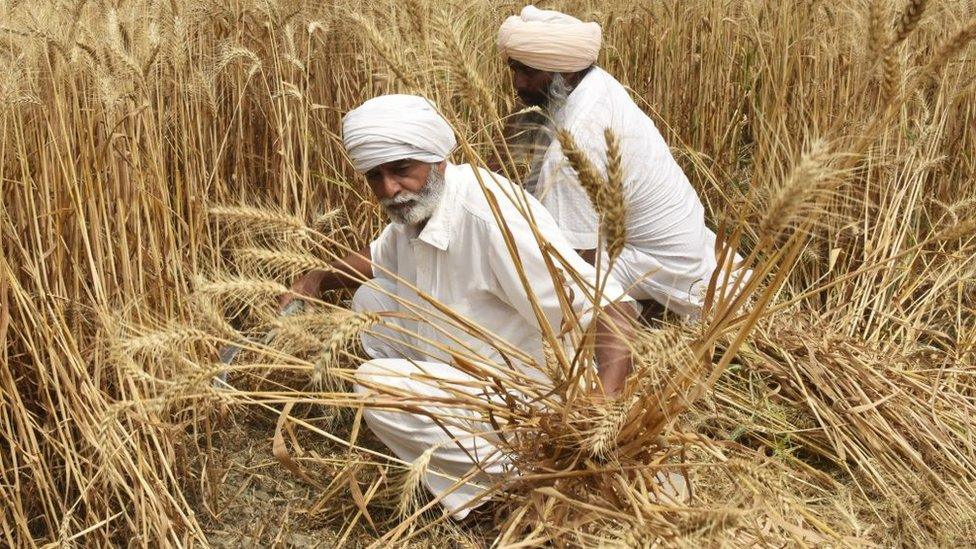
[
  {"x": 549, "y": 40},
  {"x": 393, "y": 127}
]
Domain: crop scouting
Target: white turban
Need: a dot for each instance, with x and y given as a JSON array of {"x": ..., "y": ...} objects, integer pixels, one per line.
[
  {"x": 549, "y": 40},
  {"x": 393, "y": 127}
]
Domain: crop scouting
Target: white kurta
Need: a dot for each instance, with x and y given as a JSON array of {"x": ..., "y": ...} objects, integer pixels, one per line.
[
  {"x": 670, "y": 253},
  {"x": 460, "y": 259}
]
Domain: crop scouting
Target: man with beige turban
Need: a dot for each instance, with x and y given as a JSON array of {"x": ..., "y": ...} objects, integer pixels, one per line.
[
  {"x": 669, "y": 255},
  {"x": 446, "y": 249}
]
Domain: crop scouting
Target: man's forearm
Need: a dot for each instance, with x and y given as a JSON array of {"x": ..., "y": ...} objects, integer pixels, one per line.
[
  {"x": 613, "y": 356},
  {"x": 348, "y": 272}
]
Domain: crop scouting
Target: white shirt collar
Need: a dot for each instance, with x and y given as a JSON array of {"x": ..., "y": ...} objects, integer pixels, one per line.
[{"x": 440, "y": 227}]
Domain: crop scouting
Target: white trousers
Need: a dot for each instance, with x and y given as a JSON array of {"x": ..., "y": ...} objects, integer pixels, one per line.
[
  {"x": 461, "y": 447},
  {"x": 460, "y": 439}
]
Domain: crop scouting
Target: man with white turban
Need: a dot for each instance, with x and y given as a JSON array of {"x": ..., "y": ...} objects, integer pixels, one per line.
[
  {"x": 669, "y": 255},
  {"x": 445, "y": 246}
]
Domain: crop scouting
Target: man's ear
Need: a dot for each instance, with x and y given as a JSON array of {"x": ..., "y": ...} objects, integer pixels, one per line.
[{"x": 442, "y": 166}]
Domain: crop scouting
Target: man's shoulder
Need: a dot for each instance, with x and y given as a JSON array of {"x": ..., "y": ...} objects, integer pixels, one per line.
[
  {"x": 606, "y": 85},
  {"x": 602, "y": 96},
  {"x": 471, "y": 197}
]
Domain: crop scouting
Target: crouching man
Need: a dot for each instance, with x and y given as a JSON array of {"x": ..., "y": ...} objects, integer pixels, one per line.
[
  {"x": 445, "y": 255},
  {"x": 670, "y": 256}
]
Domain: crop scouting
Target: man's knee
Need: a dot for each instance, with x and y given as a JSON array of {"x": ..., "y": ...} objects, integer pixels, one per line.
[
  {"x": 385, "y": 377},
  {"x": 380, "y": 372},
  {"x": 370, "y": 297}
]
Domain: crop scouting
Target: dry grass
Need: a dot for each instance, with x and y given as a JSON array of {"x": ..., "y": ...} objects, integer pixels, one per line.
[{"x": 164, "y": 167}]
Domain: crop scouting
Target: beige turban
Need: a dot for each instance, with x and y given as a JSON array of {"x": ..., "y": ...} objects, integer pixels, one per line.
[
  {"x": 393, "y": 127},
  {"x": 549, "y": 40}
]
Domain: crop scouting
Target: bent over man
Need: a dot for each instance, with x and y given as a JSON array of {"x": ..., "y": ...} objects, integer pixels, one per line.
[
  {"x": 670, "y": 253},
  {"x": 445, "y": 245}
]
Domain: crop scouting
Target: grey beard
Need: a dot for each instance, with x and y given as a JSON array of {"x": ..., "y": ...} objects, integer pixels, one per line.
[
  {"x": 425, "y": 201},
  {"x": 559, "y": 91}
]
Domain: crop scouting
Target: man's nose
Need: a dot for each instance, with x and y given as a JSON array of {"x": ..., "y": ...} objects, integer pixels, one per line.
[{"x": 389, "y": 187}]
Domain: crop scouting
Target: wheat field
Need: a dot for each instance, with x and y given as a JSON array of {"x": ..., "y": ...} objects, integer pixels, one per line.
[{"x": 168, "y": 167}]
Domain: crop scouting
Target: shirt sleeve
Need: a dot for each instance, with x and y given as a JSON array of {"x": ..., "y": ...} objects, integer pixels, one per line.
[
  {"x": 382, "y": 252},
  {"x": 539, "y": 281}
]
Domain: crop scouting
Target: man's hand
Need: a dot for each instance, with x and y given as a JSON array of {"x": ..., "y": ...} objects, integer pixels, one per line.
[
  {"x": 309, "y": 285},
  {"x": 348, "y": 272}
]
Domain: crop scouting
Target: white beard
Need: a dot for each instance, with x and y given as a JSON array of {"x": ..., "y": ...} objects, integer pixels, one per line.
[
  {"x": 559, "y": 92},
  {"x": 423, "y": 203}
]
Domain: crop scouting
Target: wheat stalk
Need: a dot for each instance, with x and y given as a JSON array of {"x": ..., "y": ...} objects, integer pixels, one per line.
[
  {"x": 239, "y": 288},
  {"x": 891, "y": 63},
  {"x": 891, "y": 67},
  {"x": 602, "y": 438},
  {"x": 346, "y": 327},
  {"x": 908, "y": 20},
  {"x": 387, "y": 51},
  {"x": 795, "y": 200},
  {"x": 951, "y": 49},
  {"x": 458, "y": 59},
  {"x": 613, "y": 207},
  {"x": 877, "y": 36},
  {"x": 260, "y": 219},
  {"x": 210, "y": 317},
  {"x": 278, "y": 261},
  {"x": 413, "y": 483},
  {"x": 229, "y": 53},
  {"x": 164, "y": 340},
  {"x": 605, "y": 194}
]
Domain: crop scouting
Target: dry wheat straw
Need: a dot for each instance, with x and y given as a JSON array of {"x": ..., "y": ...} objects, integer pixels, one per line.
[
  {"x": 951, "y": 49},
  {"x": 908, "y": 20},
  {"x": 844, "y": 420},
  {"x": 346, "y": 328},
  {"x": 606, "y": 194},
  {"x": 278, "y": 261},
  {"x": 413, "y": 483}
]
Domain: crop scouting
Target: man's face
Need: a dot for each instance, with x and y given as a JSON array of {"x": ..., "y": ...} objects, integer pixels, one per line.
[
  {"x": 408, "y": 190},
  {"x": 531, "y": 85}
]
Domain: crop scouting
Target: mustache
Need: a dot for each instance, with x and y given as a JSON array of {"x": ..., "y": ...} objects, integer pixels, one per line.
[{"x": 401, "y": 198}]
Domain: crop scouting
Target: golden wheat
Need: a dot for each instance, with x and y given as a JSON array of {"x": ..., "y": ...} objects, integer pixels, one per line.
[
  {"x": 606, "y": 193},
  {"x": 613, "y": 204},
  {"x": 345, "y": 328},
  {"x": 154, "y": 154}
]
